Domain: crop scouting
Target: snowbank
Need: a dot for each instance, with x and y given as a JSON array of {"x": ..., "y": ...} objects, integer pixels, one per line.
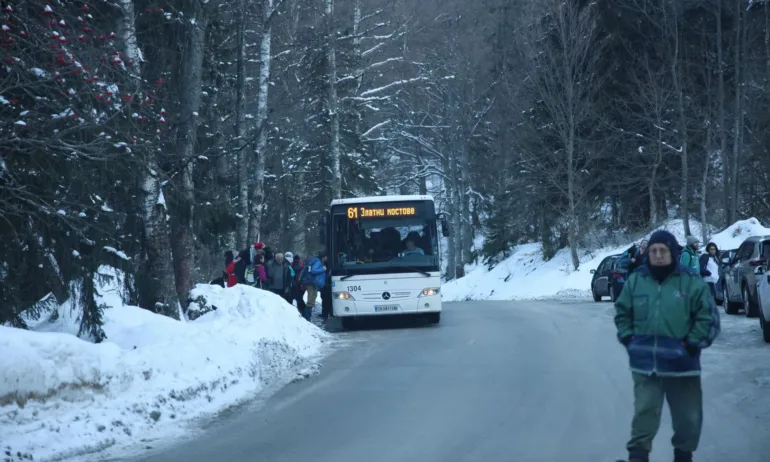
[
  {"x": 62, "y": 396},
  {"x": 524, "y": 275},
  {"x": 733, "y": 236}
]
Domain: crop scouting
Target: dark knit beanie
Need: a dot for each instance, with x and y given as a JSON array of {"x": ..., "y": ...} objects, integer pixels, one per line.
[{"x": 664, "y": 237}]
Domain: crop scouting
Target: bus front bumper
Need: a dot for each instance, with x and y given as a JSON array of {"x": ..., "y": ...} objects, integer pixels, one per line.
[{"x": 426, "y": 304}]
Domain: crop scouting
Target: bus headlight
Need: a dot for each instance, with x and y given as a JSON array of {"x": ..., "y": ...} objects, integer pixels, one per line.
[
  {"x": 342, "y": 296},
  {"x": 429, "y": 291}
]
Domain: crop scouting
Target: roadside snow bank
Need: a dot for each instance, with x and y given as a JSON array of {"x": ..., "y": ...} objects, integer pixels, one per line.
[
  {"x": 61, "y": 396},
  {"x": 525, "y": 276},
  {"x": 732, "y": 237}
]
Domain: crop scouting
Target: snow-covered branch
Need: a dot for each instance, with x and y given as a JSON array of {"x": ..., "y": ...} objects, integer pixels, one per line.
[
  {"x": 392, "y": 85},
  {"x": 374, "y": 128}
]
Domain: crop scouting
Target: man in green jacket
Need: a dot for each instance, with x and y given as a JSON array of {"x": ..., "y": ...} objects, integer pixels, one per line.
[
  {"x": 690, "y": 254},
  {"x": 665, "y": 316}
]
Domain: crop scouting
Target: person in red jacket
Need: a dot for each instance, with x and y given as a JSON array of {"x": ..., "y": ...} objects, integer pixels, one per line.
[{"x": 230, "y": 277}]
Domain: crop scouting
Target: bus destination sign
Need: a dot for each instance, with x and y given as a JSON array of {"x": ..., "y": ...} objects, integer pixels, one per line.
[{"x": 380, "y": 212}]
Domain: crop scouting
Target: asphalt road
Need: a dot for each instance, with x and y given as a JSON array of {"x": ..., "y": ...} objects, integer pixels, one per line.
[{"x": 494, "y": 382}]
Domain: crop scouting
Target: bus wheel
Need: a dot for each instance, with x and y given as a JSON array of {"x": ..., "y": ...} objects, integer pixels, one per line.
[
  {"x": 434, "y": 318},
  {"x": 348, "y": 322}
]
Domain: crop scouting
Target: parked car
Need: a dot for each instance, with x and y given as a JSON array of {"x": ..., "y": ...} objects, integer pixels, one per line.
[
  {"x": 720, "y": 285},
  {"x": 763, "y": 298},
  {"x": 609, "y": 278},
  {"x": 740, "y": 285}
]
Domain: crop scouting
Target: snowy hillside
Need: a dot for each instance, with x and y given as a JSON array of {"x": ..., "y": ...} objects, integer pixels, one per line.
[
  {"x": 60, "y": 395},
  {"x": 524, "y": 275}
]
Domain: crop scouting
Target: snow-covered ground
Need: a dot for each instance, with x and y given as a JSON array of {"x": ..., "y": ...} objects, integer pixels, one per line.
[
  {"x": 61, "y": 396},
  {"x": 525, "y": 275}
]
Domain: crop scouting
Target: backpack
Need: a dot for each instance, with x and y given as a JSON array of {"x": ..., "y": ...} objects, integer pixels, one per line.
[
  {"x": 250, "y": 274},
  {"x": 306, "y": 277}
]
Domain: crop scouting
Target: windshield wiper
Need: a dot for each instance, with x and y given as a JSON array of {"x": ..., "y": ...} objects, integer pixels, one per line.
[
  {"x": 347, "y": 276},
  {"x": 417, "y": 270},
  {"x": 347, "y": 273}
]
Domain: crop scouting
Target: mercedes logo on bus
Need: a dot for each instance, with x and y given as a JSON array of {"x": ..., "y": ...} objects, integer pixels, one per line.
[{"x": 386, "y": 295}]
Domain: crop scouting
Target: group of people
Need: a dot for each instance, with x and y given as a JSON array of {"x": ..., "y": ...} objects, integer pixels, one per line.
[
  {"x": 665, "y": 316},
  {"x": 706, "y": 265},
  {"x": 284, "y": 274}
]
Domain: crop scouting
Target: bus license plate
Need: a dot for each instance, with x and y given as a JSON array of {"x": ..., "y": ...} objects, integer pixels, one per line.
[{"x": 381, "y": 308}]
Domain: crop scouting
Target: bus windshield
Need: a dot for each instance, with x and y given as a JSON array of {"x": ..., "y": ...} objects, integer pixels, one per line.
[{"x": 384, "y": 240}]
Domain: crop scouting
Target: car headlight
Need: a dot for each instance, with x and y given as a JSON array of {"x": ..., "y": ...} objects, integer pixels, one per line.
[
  {"x": 342, "y": 296},
  {"x": 429, "y": 291}
]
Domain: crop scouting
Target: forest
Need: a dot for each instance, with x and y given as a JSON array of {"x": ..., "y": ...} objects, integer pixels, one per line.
[{"x": 153, "y": 136}]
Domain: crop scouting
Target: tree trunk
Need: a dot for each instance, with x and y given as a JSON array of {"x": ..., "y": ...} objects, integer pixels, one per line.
[
  {"x": 457, "y": 228},
  {"x": 243, "y": 157},
  {"x": 451, "y": 216},
  {"x": 183, "y": 242},
  {"x": 221, "y": 175},
  {"x": 422, "y": 181},
  {"x": 676, "y": 77},
  {"x": 726, "y": 176},
  {"x": 258, "y": 201},
  {"x": 653, "y": 204},
  {"x": 572, "y": 232},
  {"x": 333, "y": 101},
  {"x": 283, "y": 188},
  {"x": 127, "y": 31},
  {"x": 735, "y": 158},
  {"x": 546, "y": 232},
  {"x": 157, "y": 291},
  {"x": 300, "y": 236},
  {"x": 465, "y": 196},
  {"x": 654, "y": 175},
  {"x": 704, "y": 184}
]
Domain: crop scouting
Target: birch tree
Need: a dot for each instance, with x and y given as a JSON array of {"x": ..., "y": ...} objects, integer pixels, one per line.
[
  {"x": 158, "y": 293},
  {"x": 332, "y": 100},
  {"x": 242, "y": 147},
  {"x": 269, "y": 10}
]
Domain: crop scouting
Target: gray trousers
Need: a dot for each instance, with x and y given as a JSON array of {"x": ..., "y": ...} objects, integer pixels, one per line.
[{"x": 685, "y": 401}]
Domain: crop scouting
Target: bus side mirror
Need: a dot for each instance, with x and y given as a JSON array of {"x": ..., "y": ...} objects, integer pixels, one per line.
[{"x": 445, "y": 231}]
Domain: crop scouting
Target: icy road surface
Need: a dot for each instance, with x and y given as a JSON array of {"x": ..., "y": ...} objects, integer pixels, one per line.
[{"x": 496, "y": 381}]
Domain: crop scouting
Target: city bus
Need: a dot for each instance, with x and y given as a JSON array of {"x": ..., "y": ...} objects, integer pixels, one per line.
[{"x": 384, "y": 257}]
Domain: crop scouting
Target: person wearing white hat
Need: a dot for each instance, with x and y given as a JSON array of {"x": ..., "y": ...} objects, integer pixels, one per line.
[{"x": 289, "y": 257}]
